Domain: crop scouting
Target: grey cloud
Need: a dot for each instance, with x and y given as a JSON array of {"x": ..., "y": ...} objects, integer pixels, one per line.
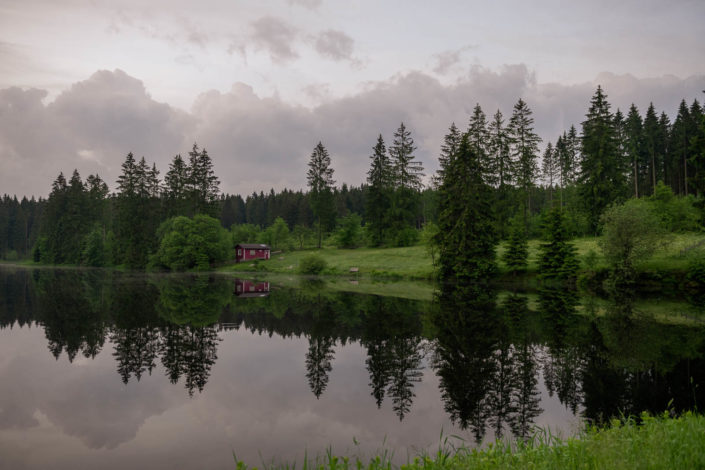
[
  {"x": 446, "y": 60},
  {"x": 275, "y": 37},
  {"x": 335, "y": 45},
  {"x": 262, "y": 142},
  {"x": 91, "y": 126}
]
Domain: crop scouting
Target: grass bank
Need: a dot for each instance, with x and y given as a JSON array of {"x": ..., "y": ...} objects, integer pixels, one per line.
[
  {"x": 656, "y": 443},
  {"x": 415, "y": 262}
]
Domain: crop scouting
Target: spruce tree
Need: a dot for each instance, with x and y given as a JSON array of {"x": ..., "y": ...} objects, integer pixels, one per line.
[
  {"x": 634, "y": 136},
  {"x": 524, "y": 151},
  {"x": 679, "y": 143},
  {"x": 550, "y": 169},
  {"x": 449, "y": 147},
  {"x": 175, "y": 187},
  {"x": 601, "y": 179},
  {"x": 478, "y": 136},
  {"x": 515, "y": 257},
  {"x": 653, "y": 163},
  {"x": 320, "y": 183},
  {"x": 501, "y": 164},
  {"x": 466, "y": 237},
  {"x": 557, "y": 259},
  {"x": 378, "y": 204},
  {"x": 407, "y": 173}
]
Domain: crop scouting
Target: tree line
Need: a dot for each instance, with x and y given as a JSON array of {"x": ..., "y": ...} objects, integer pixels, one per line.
[{"x": 492, "y": 167}]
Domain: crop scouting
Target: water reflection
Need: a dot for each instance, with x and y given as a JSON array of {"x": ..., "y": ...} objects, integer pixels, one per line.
[{"x": 498, "y": 357}]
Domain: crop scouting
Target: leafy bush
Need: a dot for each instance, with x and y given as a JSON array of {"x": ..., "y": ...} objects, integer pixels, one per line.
[
  {"x": 312, "y": 264},
  {"x": 191, "y": 243},
  {"x": 676, "y": 214},
  {"x": 94, "y": 248},
  {"x": 631, "y": 234},
  {"x": 406, "y": 237},
  {"x": 349, "y": 235}
]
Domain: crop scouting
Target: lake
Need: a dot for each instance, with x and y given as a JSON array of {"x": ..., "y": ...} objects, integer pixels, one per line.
[{"x": 111, "y": 370}]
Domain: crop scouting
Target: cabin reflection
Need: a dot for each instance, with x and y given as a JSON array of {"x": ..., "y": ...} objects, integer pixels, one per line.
[{"x": 249, "y": 288}]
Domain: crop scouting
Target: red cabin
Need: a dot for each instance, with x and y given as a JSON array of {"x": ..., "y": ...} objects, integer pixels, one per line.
[{"x": 251, "y": 251}]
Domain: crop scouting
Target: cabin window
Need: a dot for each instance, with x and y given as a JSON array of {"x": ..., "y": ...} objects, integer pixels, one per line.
[
  {"x": 252, "y": 252},
  {"x": 239, "y": 252}
]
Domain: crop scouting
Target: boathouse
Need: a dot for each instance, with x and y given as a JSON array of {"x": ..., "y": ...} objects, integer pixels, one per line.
[{"x": 251, "y": 251}]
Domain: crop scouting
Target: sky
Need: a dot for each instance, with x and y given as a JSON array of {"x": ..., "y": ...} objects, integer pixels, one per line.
[{"x": 259, "y": 84}]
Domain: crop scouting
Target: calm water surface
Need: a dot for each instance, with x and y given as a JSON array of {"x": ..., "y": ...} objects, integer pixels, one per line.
[{"x": 111, "y": 370}]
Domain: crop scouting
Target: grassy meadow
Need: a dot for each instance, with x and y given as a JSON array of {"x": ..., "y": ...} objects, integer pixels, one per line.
[{"x": 415, "y": 262}]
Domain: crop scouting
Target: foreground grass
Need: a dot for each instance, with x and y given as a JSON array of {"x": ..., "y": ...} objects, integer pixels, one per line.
[
  {"x": 657, "y": 443},
  {"x": 415, "y": 262}
]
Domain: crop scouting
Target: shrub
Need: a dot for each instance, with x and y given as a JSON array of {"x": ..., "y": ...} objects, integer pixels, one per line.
[
  {"x": 349, "y": 235},
  {"x": 312, "y": 264},
  {"x": 191, "y": 243}
]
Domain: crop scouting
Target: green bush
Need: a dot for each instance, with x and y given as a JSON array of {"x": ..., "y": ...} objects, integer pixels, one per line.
[
  {"x": 406, "y": 237},
  {"x": 676, "y": 214},
  {"x": 312, "y": 264},
  {"x": 349, "y": 234},
  {"x": 191, "y": 243}
]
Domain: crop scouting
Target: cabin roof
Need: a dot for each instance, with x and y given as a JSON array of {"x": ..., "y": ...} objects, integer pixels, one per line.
[{"x": 253, "y": 246}]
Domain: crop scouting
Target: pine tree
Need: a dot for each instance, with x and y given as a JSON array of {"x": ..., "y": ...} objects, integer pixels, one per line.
[
  {"x": 524, "y": 151},
  {"x": 450, "y": 145},
  {"x": 175, "y": 187},
  {"x": 601, "y": 178},
  {"x": 557, "y": 259},
  {"x": 478, "y": 136},
  {"x": 202, "y": 186},
  {"x": 679, "y": 148},
  {"x": 696, "y": 151},
  {"x": 378, "y": 204},
  {"x": 551, "y": 168},
  {"x": 634, "y": 145},
  {"x": 501, "y": 164},
  {"x": 320, "y": 183},
  {"x": 407, "y": 171},
  {"x": 515, "y": 257},
  {"x": 466, "y": 235},
  {"x": 651, "y": 131}
]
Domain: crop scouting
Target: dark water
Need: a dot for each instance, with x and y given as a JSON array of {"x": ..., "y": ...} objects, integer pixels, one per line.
[{"x": 111, "y": 370}]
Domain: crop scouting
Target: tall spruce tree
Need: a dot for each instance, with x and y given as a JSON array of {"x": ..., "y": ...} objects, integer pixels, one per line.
[
  {"x": 379, "y": 189},
  {"x": 679, "y": 143},
  {"x": 501, "y": 163},
  {"x": 449, "y": 147},
  {"x": 467, "y": 236},
  {"x": 634, "y": 136},
  {"x": 175, "y": 187},
  {"x": 202, "y": 185},
  {"x": 651, "y": 136},
  {"x": 550, "y": 169},
  {"x": 320, "y": 183},
  {"x": 478, "y": 136},
  {"x": 407, "y": 173},
  {"x": 601, "y": 178},
  {"x": 525, "y": 152}
]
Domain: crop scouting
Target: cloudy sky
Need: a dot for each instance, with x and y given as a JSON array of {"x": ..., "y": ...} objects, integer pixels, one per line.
[{"x": 84, "y": 82}]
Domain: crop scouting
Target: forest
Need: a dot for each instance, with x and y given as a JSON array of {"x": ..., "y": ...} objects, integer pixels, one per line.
[{"x": 498, "y": 181}]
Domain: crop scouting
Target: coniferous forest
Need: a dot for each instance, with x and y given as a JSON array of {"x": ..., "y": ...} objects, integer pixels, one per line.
[{"x": 498, "y": 180}]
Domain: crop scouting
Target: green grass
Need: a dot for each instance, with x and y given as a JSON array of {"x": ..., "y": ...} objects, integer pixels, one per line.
[
  {"x": 407, "y": 263},
  {"x": 656, "y": 443},
  {"x": 415, "y": 263}
]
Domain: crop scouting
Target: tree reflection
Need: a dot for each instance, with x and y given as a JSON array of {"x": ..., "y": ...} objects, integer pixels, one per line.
[
  {"x": 466, "y": 324},
  {"x": 319, "y": 359}
]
